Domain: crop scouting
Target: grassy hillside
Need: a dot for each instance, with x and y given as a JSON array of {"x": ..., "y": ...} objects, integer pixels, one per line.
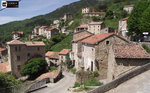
[
  {"x": 28, "y": 24},
  {"x": 64, "y": 44}
]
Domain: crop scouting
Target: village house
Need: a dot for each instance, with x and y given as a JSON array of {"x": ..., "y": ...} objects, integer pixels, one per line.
[
  {"x": 82, "y": 28},
  {"x": 5, "y": 67},
  {"x": 3, "y": 53},
  {"x": 50, "y": 31},
  {"x": 124, "y": 58},
  {"x": 96, "y": 27},
  {"x": 128, "y": 8},
  {"x": 52, "y": 58},
  {"x": 55, "y": 22},
  {"x": 68, "y": 16},
  {"x": 64, "y": 55},
  {"x": 42, "y": 30},
  {"x": 36, "y": 30},
  {"x": 122, "y": 29},
  {"x": 108, "y": 30},
  {"x": 19, "y": 53},
  {"x": 17, "y": 35},
  {"x": 95, "y": 51},
  {"x": 76, "y": 46},
  {"x": 86, "y": 10}
]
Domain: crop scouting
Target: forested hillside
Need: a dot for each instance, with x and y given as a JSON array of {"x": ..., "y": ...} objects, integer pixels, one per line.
[{"x": 28, "y": 24}]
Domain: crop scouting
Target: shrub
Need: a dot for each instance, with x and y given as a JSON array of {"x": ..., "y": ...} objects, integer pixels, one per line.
[
  {"x": 76, "y": 84},
  {"x": 52, "y": 68},
  {"x": 96, "y": 74},
  {"x": 146, "y": 48},
  {"x": 34, "y": 68},
  {"x": 92, "y": 82},
  {"x": 73, "y": 70}
]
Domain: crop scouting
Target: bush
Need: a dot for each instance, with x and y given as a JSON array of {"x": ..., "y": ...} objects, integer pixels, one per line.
[
  {"x": 76, "y": 84},
  {"x": 52, "y": 68},
  {"x": 73, "y": 70},
  {"x": 92, "y": 82},
  {"x": 146, "y": 48},
  {"x": 96, "y": 74},
  {"x": 34, "y": 68}
]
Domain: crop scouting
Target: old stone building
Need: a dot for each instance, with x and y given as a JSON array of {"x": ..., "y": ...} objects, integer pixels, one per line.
[
  {"x": 122, "y": 29},
  {"x": 17, "y": 35},
  {"x": 95, "y": 51},
  {"x": 108, "y": 30},
  {"x": 96, "y": 27},
  {"x": 128, "y": 8},
  {"x": 42, "y": 30},
  {"x": 64, "y": 55},
  {"x": 19, "y": 53},
  {"x": 86, "y": 10},
  {"x": 82, "y": 28},
  {"x": 36, "y": 30},
  {"x": 68, "y": 16},
  {"x": 77, "y": 47},
  {"x": 52, "y": 58},
  {"x": 124, "y": 58},
  {"x": 50, "y": 31}
]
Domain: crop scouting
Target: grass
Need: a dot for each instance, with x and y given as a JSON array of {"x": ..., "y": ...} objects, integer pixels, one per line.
[
  {"x": 73, "y": 70},
  {"x": 92, "y": 82},
  {"x": 52, "y": 68},
  {"x": 146, "y": 48},
  {"x": 82, "y": 89},
  {"x": 64, "y": 44}
]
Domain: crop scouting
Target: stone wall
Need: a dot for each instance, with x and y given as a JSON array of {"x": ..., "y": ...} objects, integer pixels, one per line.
[{"x": 115, "y": 83}]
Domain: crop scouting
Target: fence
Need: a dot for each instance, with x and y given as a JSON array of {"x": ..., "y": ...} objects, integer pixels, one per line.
[{"x": 122, "y": 79}]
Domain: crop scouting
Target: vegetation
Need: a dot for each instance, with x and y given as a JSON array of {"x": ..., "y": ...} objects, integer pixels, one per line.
[
  {"x": 65, "y": 43},
  {"x": 34, "y": 68},
  {"x": 95, "y": 73},
  {"x": 76, "y": 84},
  {"x": 73, "y": 70},
  {"x": 52, "y": 68},
  {"x": 146, "y": 48},
  {"x": 7, "y": 80},
  {"x": 138, "y": 16}
]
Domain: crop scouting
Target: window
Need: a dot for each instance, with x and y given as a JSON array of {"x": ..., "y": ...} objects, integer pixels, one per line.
[
  {"x": 38, "y": 49},
  {"x": 19, "y": 67},
  {"x": 15, "y": 48},
  {"x": 107, "y": 42},
  {"x": 19, "y": 48},
  {"x": 28, "y": 55},
  {"x": 18, "y": 58}
]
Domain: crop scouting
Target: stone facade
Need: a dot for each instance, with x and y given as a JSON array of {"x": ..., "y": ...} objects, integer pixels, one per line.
[
  {"x": 68, "y": 17},
  {"x": 96, "y": 27},
  {"x": 64, "y": 55},
  {"x": 17, "y": 35},
  {"x": 20, "y": 53},
  {"x": 86, "y": 10}
]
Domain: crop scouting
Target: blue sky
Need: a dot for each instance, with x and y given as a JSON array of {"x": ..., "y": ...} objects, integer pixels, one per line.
[{"x": 31, "y": 8}]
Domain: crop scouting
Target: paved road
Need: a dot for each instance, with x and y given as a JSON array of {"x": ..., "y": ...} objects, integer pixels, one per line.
[
  {"x": 138, "y": 84},
  {"x": 61, "y": 86}
]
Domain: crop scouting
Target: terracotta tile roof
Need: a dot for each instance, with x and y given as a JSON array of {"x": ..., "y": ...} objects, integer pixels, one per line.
[
  {"x": 132, "y": 5},
  {"x": 81, "y": 32},
  {"x": 54, "y": 55},
  {"x": 18, "y": 33},
  {"x": 64, "y": 51},
  {"x": 34, "y": 43},
  {"x": 37, "y": 26},
  {"x": 95, "y": 23},
  {"x": 96, "y": 38},
  {"x": 51, "y": 75},
  {"x": 2, "y": 49},
  {"x": 81, "y": 38},
  {"x": 124, "y": 19},
  {"x": 43, "y": 26},
  {"x": 14, "y": 42},
  {"x": 130, "y": 51},
  {"x": 4, "y": 67},
  {"x": 18, "y": 42}
]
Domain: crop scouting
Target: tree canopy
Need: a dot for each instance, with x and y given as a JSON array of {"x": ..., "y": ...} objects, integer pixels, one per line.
[{"x": 35, "y": 67}]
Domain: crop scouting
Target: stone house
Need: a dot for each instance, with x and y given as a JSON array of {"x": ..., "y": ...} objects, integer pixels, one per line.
[
  {"x": 128, "y": 8},
  {"x": 42, "y": 30},
  {"x": 96, "y": 27},
  {"x": 64, "y": 55},
  {"x": 68, "y": 16},
  {"x": 36, "y": 30},
  {"x": 52, "y": 58},
  {"x": 77, "y": 47},
  {"x": 19, "y": 53},
  {"x": 108, "y": 30},
  {"x": 55, "y": 22},
  {"x": 81, "y": 28},
  {"x": 17, "y": 35},
  {"x": 3, "y": 53},
  {"x": 95, "y": 51},
  {"x": 86, "y": 10},
  {"x": 122, "y": 29},
  {"x": 124, "y": 58},
  {"x": 49, "y": 32}
]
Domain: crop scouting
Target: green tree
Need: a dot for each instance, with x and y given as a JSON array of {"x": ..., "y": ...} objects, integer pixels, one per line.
[
  {"x": 134, "y": 19},
  {"x": 34, "y": 68},
  {"x": 7, "y": 80},
  {"x": 145, "y": 21}
]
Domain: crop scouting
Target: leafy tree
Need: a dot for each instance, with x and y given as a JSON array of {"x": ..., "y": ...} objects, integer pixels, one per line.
[
  {"x": 145, "y": 21},
  {"x": 134, "y": 19},
  {"x": 34, "y": 68},
  {"x": 109, "y": 14},
  {"x": 7, "y": 80},
  {"x": 96, "y": 19}
]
